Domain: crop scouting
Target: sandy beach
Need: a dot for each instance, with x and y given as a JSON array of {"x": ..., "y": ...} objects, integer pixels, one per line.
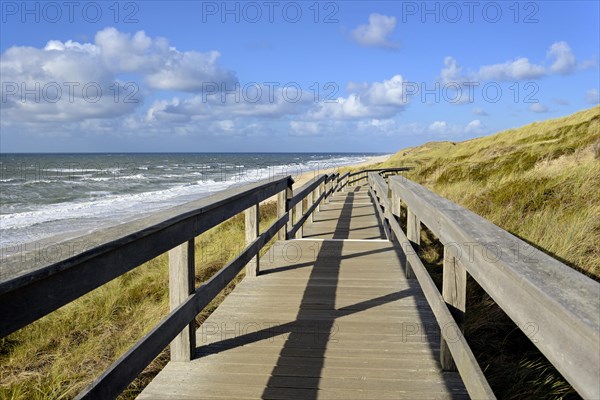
[{"x": 307, "y": 176}]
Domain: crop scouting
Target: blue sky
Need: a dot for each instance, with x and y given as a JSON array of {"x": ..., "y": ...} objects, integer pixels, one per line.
[{"x": 287, "y": 76}]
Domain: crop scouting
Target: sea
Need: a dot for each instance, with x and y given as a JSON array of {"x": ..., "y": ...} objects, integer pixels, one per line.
[{"x": 46, "y": 195}]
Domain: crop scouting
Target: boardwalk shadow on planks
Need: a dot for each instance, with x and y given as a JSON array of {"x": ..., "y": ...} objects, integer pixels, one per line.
[{"x": 314, "y": 327}]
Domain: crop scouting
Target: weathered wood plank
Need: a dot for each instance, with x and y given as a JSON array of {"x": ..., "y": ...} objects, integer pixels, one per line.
[
  {"x": 534, "y": 289},
  {"x": 128, "y": 366},
  {"x": 413, "y": 233},
  {"x": 463, "y": 357},
  {"x": 182, "y": 273},
  {"x": 46, "y": 289},
  {"x": 379, "y": 331},
  {"x": 252, "y": 231},
  {"x": 454, "y": 292}
]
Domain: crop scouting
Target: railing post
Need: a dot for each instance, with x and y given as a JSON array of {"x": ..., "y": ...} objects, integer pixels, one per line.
[
  {"x": 454, "y": 292},
  {"x": 252, "y": 232},
  {"x": 181, "y": 284},
  {"x": 299, "y": 214},
  {"x": 282, "y": 209},
  {"x": 320, "y": 191},
  {"x": 413, "y": 233},
  {"x": 310, "y": 200}
]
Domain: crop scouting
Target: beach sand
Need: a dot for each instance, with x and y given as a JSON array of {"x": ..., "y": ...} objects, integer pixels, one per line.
[
  {"x": 307, "y": 176},
  {"x": 302, "y": 178}
]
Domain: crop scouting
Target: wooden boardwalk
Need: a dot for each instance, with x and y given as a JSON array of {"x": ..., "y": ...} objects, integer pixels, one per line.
[{"x": 330, "y": 316}]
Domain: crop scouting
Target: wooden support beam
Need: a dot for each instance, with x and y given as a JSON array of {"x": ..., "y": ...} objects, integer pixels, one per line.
[
  {"x": 299, "y": 214},
  {"x": 413, "y": 233},
  {"x": 252, "y": 232},
  {"x": 310, "y": 200},
  {"x": 182, "y": 274},
  {"x": 454, "y": 292},
  {"x": 282, "y": 209}
]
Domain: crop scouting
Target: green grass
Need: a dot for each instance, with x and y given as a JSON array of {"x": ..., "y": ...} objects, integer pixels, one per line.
[
  {"x": 58, "y": 355},
  {"x": 540, "y": 182}
]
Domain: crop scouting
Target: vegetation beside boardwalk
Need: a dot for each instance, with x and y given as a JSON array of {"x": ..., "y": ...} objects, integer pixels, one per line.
[
  {"x": 60, "y": 354},
  {"x": 540, "y": 182}
]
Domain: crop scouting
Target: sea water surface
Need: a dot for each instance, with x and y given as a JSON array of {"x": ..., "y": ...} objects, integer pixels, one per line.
[{"x": 44, "y": 195}]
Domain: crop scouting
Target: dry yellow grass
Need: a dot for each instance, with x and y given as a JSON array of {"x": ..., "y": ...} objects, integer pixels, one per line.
[
  {"x": 58, "y": 355},
  {"x": 540, "y": 182}
]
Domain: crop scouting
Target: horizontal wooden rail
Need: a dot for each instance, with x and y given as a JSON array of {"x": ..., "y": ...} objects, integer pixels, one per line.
[
  {"x": 470, "y": 371},
  {"x": 123, "y": 371},
  {"x": 534, "y": 289},
  {"x": 305, "y": 190},
  {"x": 50, "y": 287},
  {"x": 380, "y": 170},
  {"x": 305, "y": 216},
  {"x": 378, "y": 190}
]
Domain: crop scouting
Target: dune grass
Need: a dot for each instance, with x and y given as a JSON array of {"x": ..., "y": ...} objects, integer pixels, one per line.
[
  {"x": 540, "y": 182},
  {"x": 58, "y": 355}
]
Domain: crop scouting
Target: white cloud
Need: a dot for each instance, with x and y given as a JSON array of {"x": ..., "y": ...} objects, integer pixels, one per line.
[
  {"x": 377, "y": 100},
  {"x": 305, "y": 128},
  {"x": 480, "y": 112},
  {"x": 376, "y": 33},
  {"x": 76, "y": 81},
  {"x": 381, "y": 125},
  {"x": 475, "y": 126},
  {"x": 565, "y": 62},
  {"x": 538, "y": 108},
  {"x": 444, "y": 129},
  {"x": 592, "y": 96},
  {"x": 438, "y": 127},
  {"x": 225, "y": 125},
  {"x": 452, "y": 72},
  {"x": 518, "y": 69}
]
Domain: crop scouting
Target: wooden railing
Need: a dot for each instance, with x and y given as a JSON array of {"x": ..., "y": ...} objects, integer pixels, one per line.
[
  {"x": 556, "y": 306},
  {"x": 30, "y": 296},
  {"x": 530, "y": 286},
  {"x": 357, "y": 176}
]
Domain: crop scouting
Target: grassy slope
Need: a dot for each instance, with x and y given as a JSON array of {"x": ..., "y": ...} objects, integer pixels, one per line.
[
  {"x": 58, "y": 355},
  {"x": 540, "y": 182}
]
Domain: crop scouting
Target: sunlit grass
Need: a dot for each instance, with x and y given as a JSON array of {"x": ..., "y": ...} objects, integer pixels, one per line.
[
  {"x": 540, "y": 182},
  {"x": 58, "y": 355}
]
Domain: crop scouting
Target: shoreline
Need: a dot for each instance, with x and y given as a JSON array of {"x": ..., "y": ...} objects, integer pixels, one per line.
[
  {"x": 81, "y": 239},
  {"x": 307, "y": 176}
]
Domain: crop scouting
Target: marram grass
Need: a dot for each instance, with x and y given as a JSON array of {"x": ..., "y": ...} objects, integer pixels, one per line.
[
  {"x": 540, "y": 182},
  {"x": 60, "y": 354}
]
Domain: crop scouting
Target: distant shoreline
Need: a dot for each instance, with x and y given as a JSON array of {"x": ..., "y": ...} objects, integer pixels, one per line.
[{"x": 307, "y": 176}]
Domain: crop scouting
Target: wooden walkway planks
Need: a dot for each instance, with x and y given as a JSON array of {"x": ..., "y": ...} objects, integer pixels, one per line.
[
  {"x": 324, "y": 319},
  {"x": 347, "y": 215}
]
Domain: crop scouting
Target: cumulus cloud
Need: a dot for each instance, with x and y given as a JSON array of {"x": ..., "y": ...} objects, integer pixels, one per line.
[
  {"x": 564, "y": 59},
  {"x": 376, "y": 100},
  {"x": 518, "y": 69},
  {"x": 452, "y": 72},
  {"x": 560, "y": 53},
  {"x": 480, "y": 112},
  {"x": 72, "y": 81},
  {"x": 376, "y": 33},
  {"x": 538, "y": 108},
  {"x": 475, "y": 126}
]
